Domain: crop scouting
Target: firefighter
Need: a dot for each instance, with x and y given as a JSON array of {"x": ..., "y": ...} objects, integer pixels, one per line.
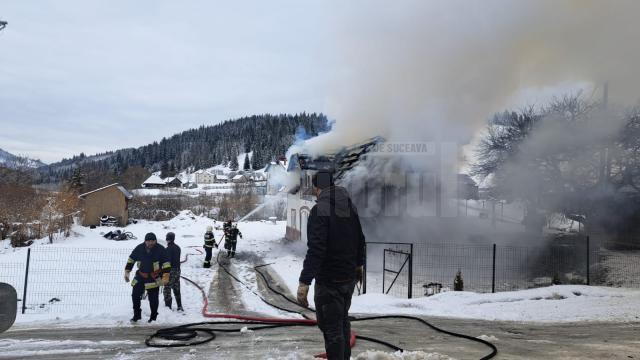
[
  {"x": 226, "y": 227},
  {"x": 232, "y": 240},
  {"x": 209, "y": 243},
  {"x": 173, "y": 256},
  {"x": 153, "y": 270}
]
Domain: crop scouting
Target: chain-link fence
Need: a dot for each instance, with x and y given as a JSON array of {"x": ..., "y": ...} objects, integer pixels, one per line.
[
  {"x": 68, "y": 279},
  {"x": 493, "y": 268},
  {"x": 388, "y": 268}
]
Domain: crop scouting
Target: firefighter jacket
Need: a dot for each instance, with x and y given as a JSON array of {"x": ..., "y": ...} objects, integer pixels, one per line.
[
  {"x": 233, "y": 233},
  {"x": 153, "y": 265},
  {"x": 209, "y": 241},
  {"x": 173, "y": 255},
  {"x": 226, "y": 227}
]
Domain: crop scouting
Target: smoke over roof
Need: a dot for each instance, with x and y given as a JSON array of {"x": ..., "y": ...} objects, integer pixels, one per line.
[{"x": 434, "y": 70}]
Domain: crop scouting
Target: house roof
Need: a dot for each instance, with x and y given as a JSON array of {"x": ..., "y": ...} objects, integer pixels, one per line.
[
  {"x": 222, "y": 177},
  {"x": 238, "y": 177},
  {"x": 275, "y": 166},
  {"x": 339, "y": 162},
  {"x": 170, "y": 179},
  {"x": 155, "y": 180},
  {"x": 126, "y": 193}
]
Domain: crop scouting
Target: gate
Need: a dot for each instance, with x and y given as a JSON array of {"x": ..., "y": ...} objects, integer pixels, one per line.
[
  {"x": 389, "y": 267},
  {"x": 390, "y": 261}
]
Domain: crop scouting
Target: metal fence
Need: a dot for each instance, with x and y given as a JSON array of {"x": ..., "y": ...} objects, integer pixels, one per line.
[
  {"x": 388, "y": 268},
  {"x": 68, "y": 279},
  {"x": 493, "y": 268}
]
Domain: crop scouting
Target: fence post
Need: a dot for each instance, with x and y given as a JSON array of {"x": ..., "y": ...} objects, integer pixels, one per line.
[
  {"x": 384, "y": 267},
  {"x": 493, "y": 274},
  {"x": 26, "y": 280},
  {"x": 364, "y": 271},
  {"x": 410, "y": 270},
  {"x": 588, "y": 262}
]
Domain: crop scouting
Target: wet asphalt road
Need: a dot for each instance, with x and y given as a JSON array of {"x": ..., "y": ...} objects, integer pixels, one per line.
[{"x": 514, "y": 341}]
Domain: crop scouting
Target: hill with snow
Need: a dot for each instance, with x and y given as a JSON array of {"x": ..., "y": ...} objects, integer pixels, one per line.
[{"x": 9, "y": 160}]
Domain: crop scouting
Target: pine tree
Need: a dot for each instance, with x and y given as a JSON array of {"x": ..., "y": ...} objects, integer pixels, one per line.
[
  {"x": 164, "y": 170},
  {"x": 234, "y": 163},
  {"x": 247, "y": 165},
  {"x": 256, "y": 161},
  {"x": 77, "y": 180}
]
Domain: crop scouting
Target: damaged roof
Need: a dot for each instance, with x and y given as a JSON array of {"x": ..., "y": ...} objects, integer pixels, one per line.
[{"x": 339, "y": 162}]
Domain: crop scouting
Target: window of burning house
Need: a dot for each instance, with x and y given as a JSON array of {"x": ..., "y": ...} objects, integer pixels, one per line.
[{"x": 306, "y": 185}]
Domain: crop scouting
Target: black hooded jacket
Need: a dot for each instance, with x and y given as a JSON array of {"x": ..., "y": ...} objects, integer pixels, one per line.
[{"x": 334, "y": 239}]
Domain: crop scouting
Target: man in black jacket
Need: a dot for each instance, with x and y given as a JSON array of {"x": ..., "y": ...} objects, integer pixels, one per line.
[
  {"x": 173, "y": 255},
  {"x": 334, "y": 259}
]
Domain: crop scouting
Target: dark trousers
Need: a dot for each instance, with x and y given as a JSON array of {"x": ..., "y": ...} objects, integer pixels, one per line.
[
  {"x": 207, "y": 257},
  {"x": 152, "y": 294},
  {"x": 332, "y": 310},
  {"x": 232, "y": 248},
  {"x": 174, "y": 284}
]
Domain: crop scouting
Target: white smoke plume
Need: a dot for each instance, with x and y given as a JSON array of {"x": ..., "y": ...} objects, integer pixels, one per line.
[{"x": 435, "y": 70}]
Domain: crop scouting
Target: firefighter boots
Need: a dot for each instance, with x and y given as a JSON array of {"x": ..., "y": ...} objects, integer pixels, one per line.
[
  {"x": 153, "y": 317},
  {"x": 137, "y": 315}
]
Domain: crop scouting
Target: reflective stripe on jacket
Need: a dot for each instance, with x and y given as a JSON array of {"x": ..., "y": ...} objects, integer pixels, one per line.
[
  {"x": 208, "y": 239},
  {"x": 151, "y": 265}
]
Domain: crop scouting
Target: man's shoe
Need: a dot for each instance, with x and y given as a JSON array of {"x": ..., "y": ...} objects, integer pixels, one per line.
[
  {"x": 180, "y": 308},
  {"x": 135, "y": 318},
  {"x": 153, "y": 317}
]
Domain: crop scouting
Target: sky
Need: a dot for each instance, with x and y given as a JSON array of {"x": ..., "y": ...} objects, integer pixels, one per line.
[{"x": 92, "y": 76}]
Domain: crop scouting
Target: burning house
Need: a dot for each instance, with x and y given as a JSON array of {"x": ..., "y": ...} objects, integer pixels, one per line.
[
  {"x": 300, "y": 198},
  {"x": 390, "y": 191}
]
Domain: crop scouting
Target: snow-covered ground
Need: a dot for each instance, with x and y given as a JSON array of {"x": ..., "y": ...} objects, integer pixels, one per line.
[
  {"x": 99, "y": 281},
  {"x": 265, "y": 241}
]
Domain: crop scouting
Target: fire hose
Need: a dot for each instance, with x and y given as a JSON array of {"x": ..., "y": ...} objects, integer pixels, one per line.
[{"x": 187, "y": 334}]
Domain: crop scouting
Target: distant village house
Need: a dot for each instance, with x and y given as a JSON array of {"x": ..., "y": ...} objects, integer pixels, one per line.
[
  {"x": 154, "y": 181},
  {"x": 111, "y": 200}
]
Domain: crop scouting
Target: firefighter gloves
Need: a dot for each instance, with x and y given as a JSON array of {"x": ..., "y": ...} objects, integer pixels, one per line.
[
  {"x": 303, "y": 291},
  {"x": 126, "y": 275}
]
